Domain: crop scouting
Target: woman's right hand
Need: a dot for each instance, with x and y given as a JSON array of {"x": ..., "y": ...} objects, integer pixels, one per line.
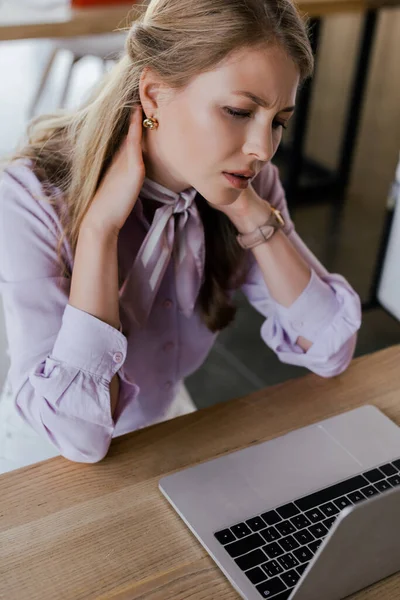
[{"x": 121, "y": 184}]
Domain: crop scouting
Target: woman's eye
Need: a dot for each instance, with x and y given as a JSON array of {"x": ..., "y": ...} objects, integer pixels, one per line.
[
  {"x": 277, "y": 124},
  {"x": 238, "y": 113},
  {"x": 245, "y": 114}
]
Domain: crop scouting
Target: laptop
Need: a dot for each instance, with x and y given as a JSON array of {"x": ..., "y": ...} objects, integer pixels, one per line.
[{"x": 311, "y": 515}]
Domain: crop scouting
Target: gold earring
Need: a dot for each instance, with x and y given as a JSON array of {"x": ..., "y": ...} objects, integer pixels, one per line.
[{"x": 150, "y": 123}]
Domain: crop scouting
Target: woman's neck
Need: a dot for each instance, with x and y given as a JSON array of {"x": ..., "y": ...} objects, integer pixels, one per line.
[{"x": 155, "y": 168}]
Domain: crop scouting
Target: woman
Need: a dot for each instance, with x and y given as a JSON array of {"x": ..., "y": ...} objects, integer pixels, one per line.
[{"x": 158, "y": 199}]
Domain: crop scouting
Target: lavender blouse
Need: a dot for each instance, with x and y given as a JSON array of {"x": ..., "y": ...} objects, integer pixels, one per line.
[{"x": 63, "y": 359}]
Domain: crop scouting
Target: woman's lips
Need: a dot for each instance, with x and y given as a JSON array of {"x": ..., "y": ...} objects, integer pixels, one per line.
[{"x": 237, "y": 182}]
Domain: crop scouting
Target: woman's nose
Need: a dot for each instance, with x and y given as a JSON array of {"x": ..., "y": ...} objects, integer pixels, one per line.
[{"x": 260, "y": 146}]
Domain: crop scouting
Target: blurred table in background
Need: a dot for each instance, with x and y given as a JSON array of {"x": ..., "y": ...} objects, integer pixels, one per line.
[
  {"x": 22, "y": 19},
  {"x": 47, "y": 19}
]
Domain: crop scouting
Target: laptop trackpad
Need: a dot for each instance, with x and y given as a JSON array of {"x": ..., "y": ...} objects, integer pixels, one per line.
[
  {"x": 260, "y": 477},
  {"x": 290, "y": 466}
]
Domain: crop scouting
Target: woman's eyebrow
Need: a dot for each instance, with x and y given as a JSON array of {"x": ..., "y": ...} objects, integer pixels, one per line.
[{"x": 261, "y": 101}]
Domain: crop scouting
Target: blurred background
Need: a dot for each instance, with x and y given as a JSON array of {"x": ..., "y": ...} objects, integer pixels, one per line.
[{"x": 338, "y": 161}]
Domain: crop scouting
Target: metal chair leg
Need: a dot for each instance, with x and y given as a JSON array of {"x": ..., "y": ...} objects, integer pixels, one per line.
[
  {"x": 43, "y": 81},
  {"x": 68, "y": 81}
]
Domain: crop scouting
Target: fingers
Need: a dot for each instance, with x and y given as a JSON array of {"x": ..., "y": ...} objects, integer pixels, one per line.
[
  {"x": 133, "y": 142},
  {"x": 129, "y": 153},
  {"x": 135, "y": 127}
]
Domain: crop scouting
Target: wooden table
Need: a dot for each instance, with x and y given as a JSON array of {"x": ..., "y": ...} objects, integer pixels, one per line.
[
  {"x": 67, "y": 22},
  {"x": 62, "y": 21},
  {"x": 78, "y": 532}
]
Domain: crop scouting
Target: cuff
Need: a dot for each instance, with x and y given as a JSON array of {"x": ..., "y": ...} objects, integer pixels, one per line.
[
  {"x": 312, "y": 312},
  {"x": 89, "y": 344}
]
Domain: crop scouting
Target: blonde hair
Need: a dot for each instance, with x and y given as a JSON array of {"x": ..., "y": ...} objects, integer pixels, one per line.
[{"x": 179, "y": 39}]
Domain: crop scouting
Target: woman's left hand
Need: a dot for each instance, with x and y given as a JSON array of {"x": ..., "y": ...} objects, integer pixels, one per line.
[{"x": 248, "y": 212}]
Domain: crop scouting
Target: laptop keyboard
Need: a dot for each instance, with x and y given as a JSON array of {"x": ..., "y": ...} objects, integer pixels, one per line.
[{"x": 274, "y": 548}]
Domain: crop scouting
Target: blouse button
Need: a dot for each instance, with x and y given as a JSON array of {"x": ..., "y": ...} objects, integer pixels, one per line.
[
  {"x": 167, "y": 303},
  {"x": 297, "y": 325},
  {"x": 118, "y": 357},
  {"x": 168, "y": 385},
  {"x": 169, "y": 346}
]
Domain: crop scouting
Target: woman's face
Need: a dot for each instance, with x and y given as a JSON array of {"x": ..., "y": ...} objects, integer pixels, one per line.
[{"x": 229, "y": 119}]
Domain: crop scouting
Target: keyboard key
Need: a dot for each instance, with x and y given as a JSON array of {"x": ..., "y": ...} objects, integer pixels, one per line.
[
  {"x": 256, "y": 523},
  {"x": 304, "y": 536},
  {"x": 288, "y": 510},
  {"x": 356, "y": 497},
  {"x": 300, "y": 521},
  {"x": 303, "y": 554},
  {"x": 301, "y": 568},
  {"x": 329, "y": 522},
  {"x": 273, "y": 550},
  {"x": 395, "y": 480},
  {"x": 382, "y": 486},
  {"x": 251, "y": 559},
  {"x": 271, "y": 517},
  {"x": 330, "y": 493},
  {"x": 369, "y": 491},
  {"x": 315, "y": 515},
  {"x": 318, "y": 530},
  {"x": 271, "y": 587},
  {"x": 241, "y": 530},
  {"x": 288, "y": 543},
  {"x": 342, "y": 502},
  {"x": 388, "y": 469},
  {"x": 374, "y": 475},
  {"x": 256, "y": 575},
  {"x": 329, "y": 509},
  {"x": 225, "y": 536},
  {"x": 396, "y": 463},
  {"x": 251, "y": 542},
  {"x": 315, "y": 545},
  {"x": 270, "y": 534},
  {"x": 285, "y": 528},
  {"x": 288, "y": 561},
  {"x": 272, "y": 568},
  {"x": 291, "y": 578}
]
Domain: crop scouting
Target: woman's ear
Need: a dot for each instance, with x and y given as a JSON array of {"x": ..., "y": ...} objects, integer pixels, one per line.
[{"x": 150, "y": 92}]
